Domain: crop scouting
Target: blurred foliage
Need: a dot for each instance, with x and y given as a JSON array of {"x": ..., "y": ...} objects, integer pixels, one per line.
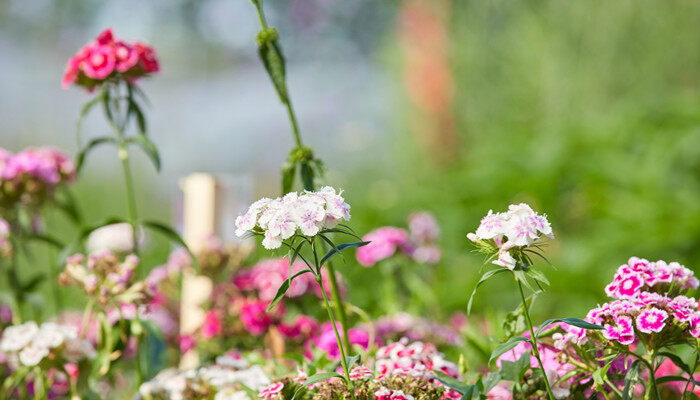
[{"x": 590, "y": 111}]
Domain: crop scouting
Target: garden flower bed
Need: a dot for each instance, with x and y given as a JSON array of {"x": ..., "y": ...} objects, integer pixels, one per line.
[{"x": 279, "y": 322}]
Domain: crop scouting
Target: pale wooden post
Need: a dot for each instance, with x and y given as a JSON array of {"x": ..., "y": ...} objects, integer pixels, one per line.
[{"x": 199, "y": 223}]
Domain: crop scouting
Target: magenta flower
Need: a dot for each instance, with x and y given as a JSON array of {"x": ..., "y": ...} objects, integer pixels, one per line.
[
  {"x": 272, "y": 391},
  {"x": 651, "y": 320},
  {"x": 328, "y": 343},
  {"x": 384, "y": 242},
  {"x": 212, "y": 325}
]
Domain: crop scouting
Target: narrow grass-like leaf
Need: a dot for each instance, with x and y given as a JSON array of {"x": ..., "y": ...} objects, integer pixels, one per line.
[
  {"x": 80, "y": 159},
  {"x": 337, "y": 249},
  {"x": 486, "y": 276},
  {"x": 284, "y": 287},
  {"x": 571, "y": 321},
  {"x": 148, "y": 147},
  {"x": 170, "y": 233},
  {"x": 451, "y": 382},
  {"x": 316, "y": 379}
]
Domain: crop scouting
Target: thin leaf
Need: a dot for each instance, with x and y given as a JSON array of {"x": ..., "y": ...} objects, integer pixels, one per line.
[
  {"x": 33, "y": 283},
  {"x": 631, "y": 379},
  {"x": 140, "y": 119},
  {"x": 316, "y": 379},
  {"x": 339, "y": 248},
  {"x": 84, "y": 112},
  {"x": 170, "y": 233},
  {"x": 50, "y": 240},
  {"x": 80, "y": 160},
  {"x": 288, "y": 173},
  {"x": 570, "y": 321},
  {"x": 676, "y": 378},
  {"x": 284, "y": 287},
  {"x": 307, "y": 176},
  {"x": 508, "y": 345},
  {"x": 148, "y": 147},
  {"x": 350, "y": 361},
  {"x": 273, "y": 60},
  {"x": 486, "y": 276},
  {"x": 677, "y": 360},
  {"x": 538, "y": 276},
  {"x": 451, "y": 382}
]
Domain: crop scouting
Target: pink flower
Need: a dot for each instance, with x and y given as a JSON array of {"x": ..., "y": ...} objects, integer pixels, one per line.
[
  {"x": 100, "y": 62},
  {"x": 272, "y": 391},
  {"x": 360, "y": 372},
  {"x": 187, "y": 342},
  {"x": 383, "y": 244},
  {"x": 303, "y": 327},
  {"x": 148, "y": 58},
  {"x": 126, "y": 56},
  {"x": 651, "y": 320},
  {"x": 212, "y": 325},
  {"x": 423, "y": 227},
  {"x": 328, "y": 343},
  {"x": 255, "y": 317},
  {"x": 500, "y": 392}
]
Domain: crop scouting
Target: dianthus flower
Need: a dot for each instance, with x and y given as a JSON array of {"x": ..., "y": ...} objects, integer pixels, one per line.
[
  {"x": 108, "y": 57},
  {"x": 640, "y": 275},
  {"x": 517, "y": 228},
  {"x": 308, "y": 213},
  {"x": 29, "y": 344}
]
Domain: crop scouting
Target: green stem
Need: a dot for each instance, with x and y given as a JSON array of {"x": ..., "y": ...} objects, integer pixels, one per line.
[
  {"x": 130, "y": 193},
  {"x": 533, "y": 341},
  {"x": 54, "y": 278},
  {"x": 652, "y": 378},
  {"x": 337, "y": 299},
  {"x": 343, "y": 355}
]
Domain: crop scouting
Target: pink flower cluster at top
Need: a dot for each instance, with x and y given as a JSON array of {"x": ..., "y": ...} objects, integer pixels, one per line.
[
  {"x": 416, "y": 359},
  {"x": 105, "y": 57},
  {"x": 267, "y": 276},
  {"x": 32, "y": 174},
  {"x": 417, "y": 243},
  {"x": 640, "y": 275},
  {"x": 643, "y": 307},
  {"x": 518, "y": 227}
]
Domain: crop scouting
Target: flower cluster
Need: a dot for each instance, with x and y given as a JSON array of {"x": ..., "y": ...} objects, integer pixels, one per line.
[
  {"x": 226, "y": 379},
  {"x": 107, "y": 57},
  {"x": 327, "y": 342},
  {"x": 265, "y": 277},
  {"x": 514, "y": 229},
  {"x": 105, "y": 278},
  {"x": 643, "y": 307},
  {"x": 640, "y": 275},
  {"x": 412, "y": 358},
  {"x": 29, "y": 344},
  {"x": 279, "y": 219},
  {"x": 395, "y": 327},
  {"x": 31, "y": 176},
  {"x": 417, "y": 243}
]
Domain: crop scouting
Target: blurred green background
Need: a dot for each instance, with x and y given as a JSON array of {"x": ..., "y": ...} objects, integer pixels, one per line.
[{"x": 589, "y": 111}]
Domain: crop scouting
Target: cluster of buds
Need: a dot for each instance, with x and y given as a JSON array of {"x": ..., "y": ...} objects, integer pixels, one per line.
[
  {"x": 31, "y": 176},
  {"x": 506, "y": 234},
  {"x": 29, "y": 344},
  {"x": 644, "y": 308},
  {"x": 265, "y": 277},
  {"x": 107, "y": 57},
  {"x": 417, "y": 243},
  {"x": 280, "y": 219},
  {"x": 105, "y": 278}
]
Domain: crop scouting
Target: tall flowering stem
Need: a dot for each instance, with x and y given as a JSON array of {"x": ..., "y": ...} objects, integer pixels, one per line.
[
  {"x": 298, "y": 220},
  {"x": 301, "y": 157}
]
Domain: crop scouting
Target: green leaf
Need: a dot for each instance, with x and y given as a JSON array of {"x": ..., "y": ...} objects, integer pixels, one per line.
[
  {"x": 472, "y": 393},
  {"x": 515, "y": 371},
  {"x": 571, "y": 321},
  {"x": 50, "y": 240},
  {"x": 337, "y": 249},
  {"x": 631, "y": 379},
  {"x": 140, "y": 119},
  {"x": 676, "y": 378},
  {"x": 600, "y": 374},
  {"x": 284, "y": 287},
  {"x": 273, "y": 60},
  {"x": 148, "y": 147},
  {"x": 503, "y": 347},
  {"x": 677, "y": 360},
  {"x": 316, "y": 379},
  {"x": 85, "y": 110},
  {"x": 32, "y": 284},
  {"x": 451, "y": 382},
  {"x": 538, "y": 276},
  {"x": 107, "y": 221},
  {"x": 288, "y": 173},
  {"x": 80, "y": 160},
  {"x": 350, "y": 361},
  {"x": 487, "y": 275},
  {"x": 490, "y": 381},
  {"x": 307, "y": 176},
  {"x": 170, "y": 233}
]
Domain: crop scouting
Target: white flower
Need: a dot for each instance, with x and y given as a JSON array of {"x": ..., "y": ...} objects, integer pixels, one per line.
[
  {"x": 32, "y": 354},
  {"x": 505, "y": 260},
  {"x": 280, "y": 218},
  {"x": 50, "y": 335},
  {"x": 14, "y": 338},
  {"x": 76, "y": 350}
]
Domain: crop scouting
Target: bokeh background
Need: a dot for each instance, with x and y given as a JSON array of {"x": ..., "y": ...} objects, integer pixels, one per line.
[{"x": 589, "y": 111}]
